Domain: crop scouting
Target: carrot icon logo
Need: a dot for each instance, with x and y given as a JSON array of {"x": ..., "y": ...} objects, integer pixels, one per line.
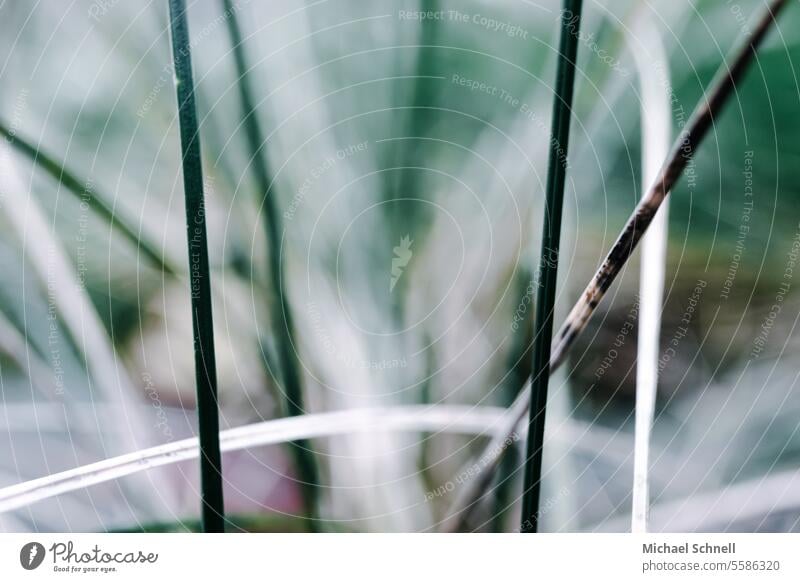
[
  {"x": 402, "y": 255},
  {"x": 31, "y": 555}
]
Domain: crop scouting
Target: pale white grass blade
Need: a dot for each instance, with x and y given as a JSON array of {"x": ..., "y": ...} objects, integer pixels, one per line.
[
  {"x": 438, "y": 419},
  {"x": 450, "y": 419},
  {"x": 654, "y": 82}
]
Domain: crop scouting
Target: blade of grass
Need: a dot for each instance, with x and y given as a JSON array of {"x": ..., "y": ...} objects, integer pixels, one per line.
[
  {"x": 656, "y": 125},
  {"x": 280, "y": 311},
  {"x": 82, "y": 190},
  {"x": 548, "y": 262},
  {"x": 213, "y": 515},
  {"x": 681, "y": 152},
  {"x": 435, "y": 419},
  {"x": 406, "y": 219}
]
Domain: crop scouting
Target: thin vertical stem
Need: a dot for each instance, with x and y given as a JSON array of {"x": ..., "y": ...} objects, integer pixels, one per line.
[
  {"x": 213, "y": 515},
  {"x": 280, "y": 312},
  {"x": 548, "y": 262},
  {"x": 650, "y": 57}
]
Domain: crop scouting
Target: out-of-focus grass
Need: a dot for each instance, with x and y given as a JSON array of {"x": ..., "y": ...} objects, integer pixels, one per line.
[{"x": 331, "y": 76}]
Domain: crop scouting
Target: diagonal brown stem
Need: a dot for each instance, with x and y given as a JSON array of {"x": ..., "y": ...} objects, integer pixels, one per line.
[{"x": 681, "y": 153}]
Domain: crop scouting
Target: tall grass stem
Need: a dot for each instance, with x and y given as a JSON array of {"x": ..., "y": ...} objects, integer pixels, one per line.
[
  {"x": 280, "y": 311},
  {"x": 548, "y": 262},
  {"x": 438, "y": 419}
]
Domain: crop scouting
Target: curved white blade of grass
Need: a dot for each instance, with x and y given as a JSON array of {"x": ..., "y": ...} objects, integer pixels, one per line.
[
  {"x": 653, "y": 69},
  {"x": 450, "y": 419},
  {"x": 73, "y": 305}
]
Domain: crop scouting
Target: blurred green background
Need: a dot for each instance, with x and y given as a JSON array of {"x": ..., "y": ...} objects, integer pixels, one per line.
[{"x": 382, "y": 126}]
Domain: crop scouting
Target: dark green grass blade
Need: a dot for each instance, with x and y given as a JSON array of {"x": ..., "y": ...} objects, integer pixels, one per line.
[
  {"x": 412, "y": 156},
  {"x": 280, "y": 312},
  {"x": 213, "y": 515},
  {"x": 84, "y": 190},
  {"x": 548, "y": 263}
]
